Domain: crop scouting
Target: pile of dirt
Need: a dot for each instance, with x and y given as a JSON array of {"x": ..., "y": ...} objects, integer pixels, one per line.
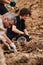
[{"x": 24, "y": 59}]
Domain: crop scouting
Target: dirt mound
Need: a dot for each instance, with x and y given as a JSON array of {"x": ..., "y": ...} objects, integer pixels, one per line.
[
  {"x": 31, "y": 54},
  {"x": 24, "y": 59}
]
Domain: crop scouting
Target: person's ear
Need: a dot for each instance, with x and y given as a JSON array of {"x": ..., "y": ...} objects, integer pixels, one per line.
[{"x": 5, "y": 19}]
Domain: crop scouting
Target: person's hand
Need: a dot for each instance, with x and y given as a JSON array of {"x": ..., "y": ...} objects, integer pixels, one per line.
[
  {"x": 13, "y": 47},
  {"x": 28, "y": 38}
]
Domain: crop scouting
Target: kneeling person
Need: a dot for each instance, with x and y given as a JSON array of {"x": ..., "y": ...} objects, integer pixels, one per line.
[{"x": 6, "y": 21}]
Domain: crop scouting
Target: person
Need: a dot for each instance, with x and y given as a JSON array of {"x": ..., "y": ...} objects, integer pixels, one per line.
[
  {"x": 6, "y": 21},
  {"x": 3, "y": 9},
  {"x": 13, "y": 6},
  {"x": 19, "y": 28}
]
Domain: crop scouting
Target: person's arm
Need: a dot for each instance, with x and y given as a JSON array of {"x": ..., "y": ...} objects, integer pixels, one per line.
[
  {"x": 10, "y": 43},
  {"x": 26, "y": 32},
  {"x": 14, "y": 29},
  {"x": 5, "y": 1},
  {"x": 6, "y": 38},
  {"x": 1, "y": 25}
]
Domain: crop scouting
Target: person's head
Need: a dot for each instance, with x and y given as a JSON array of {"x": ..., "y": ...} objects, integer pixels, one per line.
[
  {"x": 8, "y": 19},
  {"x": 6, "y": 1},
  {"x": 24, "y": 12}
]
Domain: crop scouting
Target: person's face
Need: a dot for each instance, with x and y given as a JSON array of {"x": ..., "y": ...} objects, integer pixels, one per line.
[
  {"x": 11, "y": 22},
  {"x": 8, "y": 23},
  {"x": 25, "y": 17}
]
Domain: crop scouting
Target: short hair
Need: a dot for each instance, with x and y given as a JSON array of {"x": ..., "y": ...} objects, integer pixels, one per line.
[
  {"x": 25, "y": 11},
  {"x": 10, "y": 16}
]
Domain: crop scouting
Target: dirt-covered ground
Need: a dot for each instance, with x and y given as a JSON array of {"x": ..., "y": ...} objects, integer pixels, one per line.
[{"x": 32, "y": 52}]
